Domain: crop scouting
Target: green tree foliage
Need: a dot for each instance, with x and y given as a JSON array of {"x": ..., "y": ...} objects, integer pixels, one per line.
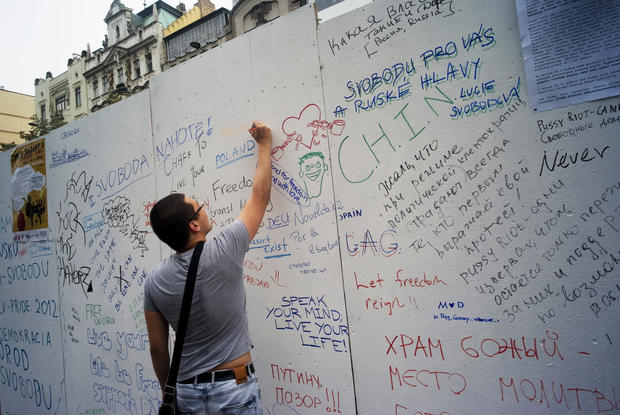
[
  {"x": 41, "y": 127},
  {"x": 6, "y": 146},
  {"x": 38, "y": 128}
]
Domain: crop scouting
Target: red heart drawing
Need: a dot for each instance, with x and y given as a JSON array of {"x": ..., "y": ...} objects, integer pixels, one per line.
[{"x": 298, "y": 127}]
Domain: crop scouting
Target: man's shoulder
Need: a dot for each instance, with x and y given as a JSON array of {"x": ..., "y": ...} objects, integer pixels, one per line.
[
  {"x": 235, "y": 227},
  {"x": 159, "y": 266},
  {"x": 156, "y": 272}
]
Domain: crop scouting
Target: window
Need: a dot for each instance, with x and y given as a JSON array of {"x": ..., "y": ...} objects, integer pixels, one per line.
[
  {"x": 149, "y": 63},
  {"x": 120, "y": 75},
  {"x": 95, "y": 88},
  {"x": 118, "y": 32},
  {"x": 78, "y": 97},
  {"x": 136, "y": 68},
  {"x": 106, "y": 84},
  {"x": 61, "y": 104},
  {"x": 323, "y": 4},
  {"x": 43, "y": 112}
]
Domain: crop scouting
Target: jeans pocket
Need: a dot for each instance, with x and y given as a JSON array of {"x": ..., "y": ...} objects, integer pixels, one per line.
[
  {"x": 236, "y": 399},
  {"x": 249, "y": 407},
  {"x": 189, "y": 400}
]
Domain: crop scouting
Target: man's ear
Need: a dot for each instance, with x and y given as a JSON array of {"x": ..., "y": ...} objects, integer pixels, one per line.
[
  {"x": 326, "y": 166},
  {"x": 194, "y": 226}
]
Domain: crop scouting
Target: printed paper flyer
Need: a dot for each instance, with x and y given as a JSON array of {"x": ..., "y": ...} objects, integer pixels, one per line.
[{"x": 29, "y": 191}]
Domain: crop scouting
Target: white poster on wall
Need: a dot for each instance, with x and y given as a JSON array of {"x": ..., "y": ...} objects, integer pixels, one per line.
[{"x": 571, "y": 50}]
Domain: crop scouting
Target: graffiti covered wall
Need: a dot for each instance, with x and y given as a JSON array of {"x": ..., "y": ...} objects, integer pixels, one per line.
[{"x": 432, "y": 246}]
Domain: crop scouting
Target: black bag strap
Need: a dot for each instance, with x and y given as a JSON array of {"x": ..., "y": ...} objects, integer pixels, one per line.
[{"x": 182, "y": 328}]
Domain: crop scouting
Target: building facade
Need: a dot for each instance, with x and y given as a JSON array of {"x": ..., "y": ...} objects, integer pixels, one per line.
[
  {"x": 65, "y": 95},
  {"x": 132, "y": 52},
  {"x": 15, "y": 113},
  {"x": 249, "y": 14},
  {"x": 199, "y": 29},
  {"x": 202, "y": 28},
  {"x": 138, "y": 46}
]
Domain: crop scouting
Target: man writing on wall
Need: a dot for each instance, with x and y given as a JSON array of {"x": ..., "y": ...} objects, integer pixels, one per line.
[{"x": 216, "y": 374}]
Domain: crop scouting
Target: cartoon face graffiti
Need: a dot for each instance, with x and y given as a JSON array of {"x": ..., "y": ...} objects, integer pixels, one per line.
[{"x": 312, "y": 168}]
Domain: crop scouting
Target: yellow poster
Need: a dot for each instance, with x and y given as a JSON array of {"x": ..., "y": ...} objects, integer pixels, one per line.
[{"x": 29, "y": 191}]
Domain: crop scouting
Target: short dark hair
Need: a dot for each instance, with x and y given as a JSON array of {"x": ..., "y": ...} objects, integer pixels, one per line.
[
  {"x": 169, "y": 219},
  {"x": 311, "y": 154}
]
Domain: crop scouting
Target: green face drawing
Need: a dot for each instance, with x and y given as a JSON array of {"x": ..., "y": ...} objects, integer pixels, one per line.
[{"x": 312, "y": 168}]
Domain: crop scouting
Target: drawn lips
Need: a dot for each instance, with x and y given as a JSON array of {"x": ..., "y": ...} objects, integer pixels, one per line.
[{"x": 298, "y": 126}]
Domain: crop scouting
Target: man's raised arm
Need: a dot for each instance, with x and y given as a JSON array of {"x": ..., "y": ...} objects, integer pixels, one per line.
[{"x": 252, "y": 213}]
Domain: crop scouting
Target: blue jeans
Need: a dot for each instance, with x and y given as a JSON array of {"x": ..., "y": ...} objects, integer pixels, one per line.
[{"x": 220, "y": 398}]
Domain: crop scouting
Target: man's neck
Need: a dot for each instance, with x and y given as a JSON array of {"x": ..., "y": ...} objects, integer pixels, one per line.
[{"x": 192, "y": 243}]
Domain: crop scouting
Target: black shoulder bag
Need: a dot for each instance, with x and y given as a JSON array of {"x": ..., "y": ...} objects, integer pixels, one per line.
[{"x": 168, "y": 406}]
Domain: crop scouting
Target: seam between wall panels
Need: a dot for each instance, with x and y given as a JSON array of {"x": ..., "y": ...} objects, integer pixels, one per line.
[
  {"x": 250, "y": 37},
  {"x": 155, "y": 166},
  {"x": 63, "y": 325},
  {"x": 156, "y": 182},
  {"x": 329, "y": 149}
]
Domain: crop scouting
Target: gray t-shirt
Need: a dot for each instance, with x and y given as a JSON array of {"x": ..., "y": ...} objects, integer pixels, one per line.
[{"x": 217, "y": 330}]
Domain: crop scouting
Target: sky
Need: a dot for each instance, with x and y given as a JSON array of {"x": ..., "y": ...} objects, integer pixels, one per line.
[{"x": 37, "y": 36}]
